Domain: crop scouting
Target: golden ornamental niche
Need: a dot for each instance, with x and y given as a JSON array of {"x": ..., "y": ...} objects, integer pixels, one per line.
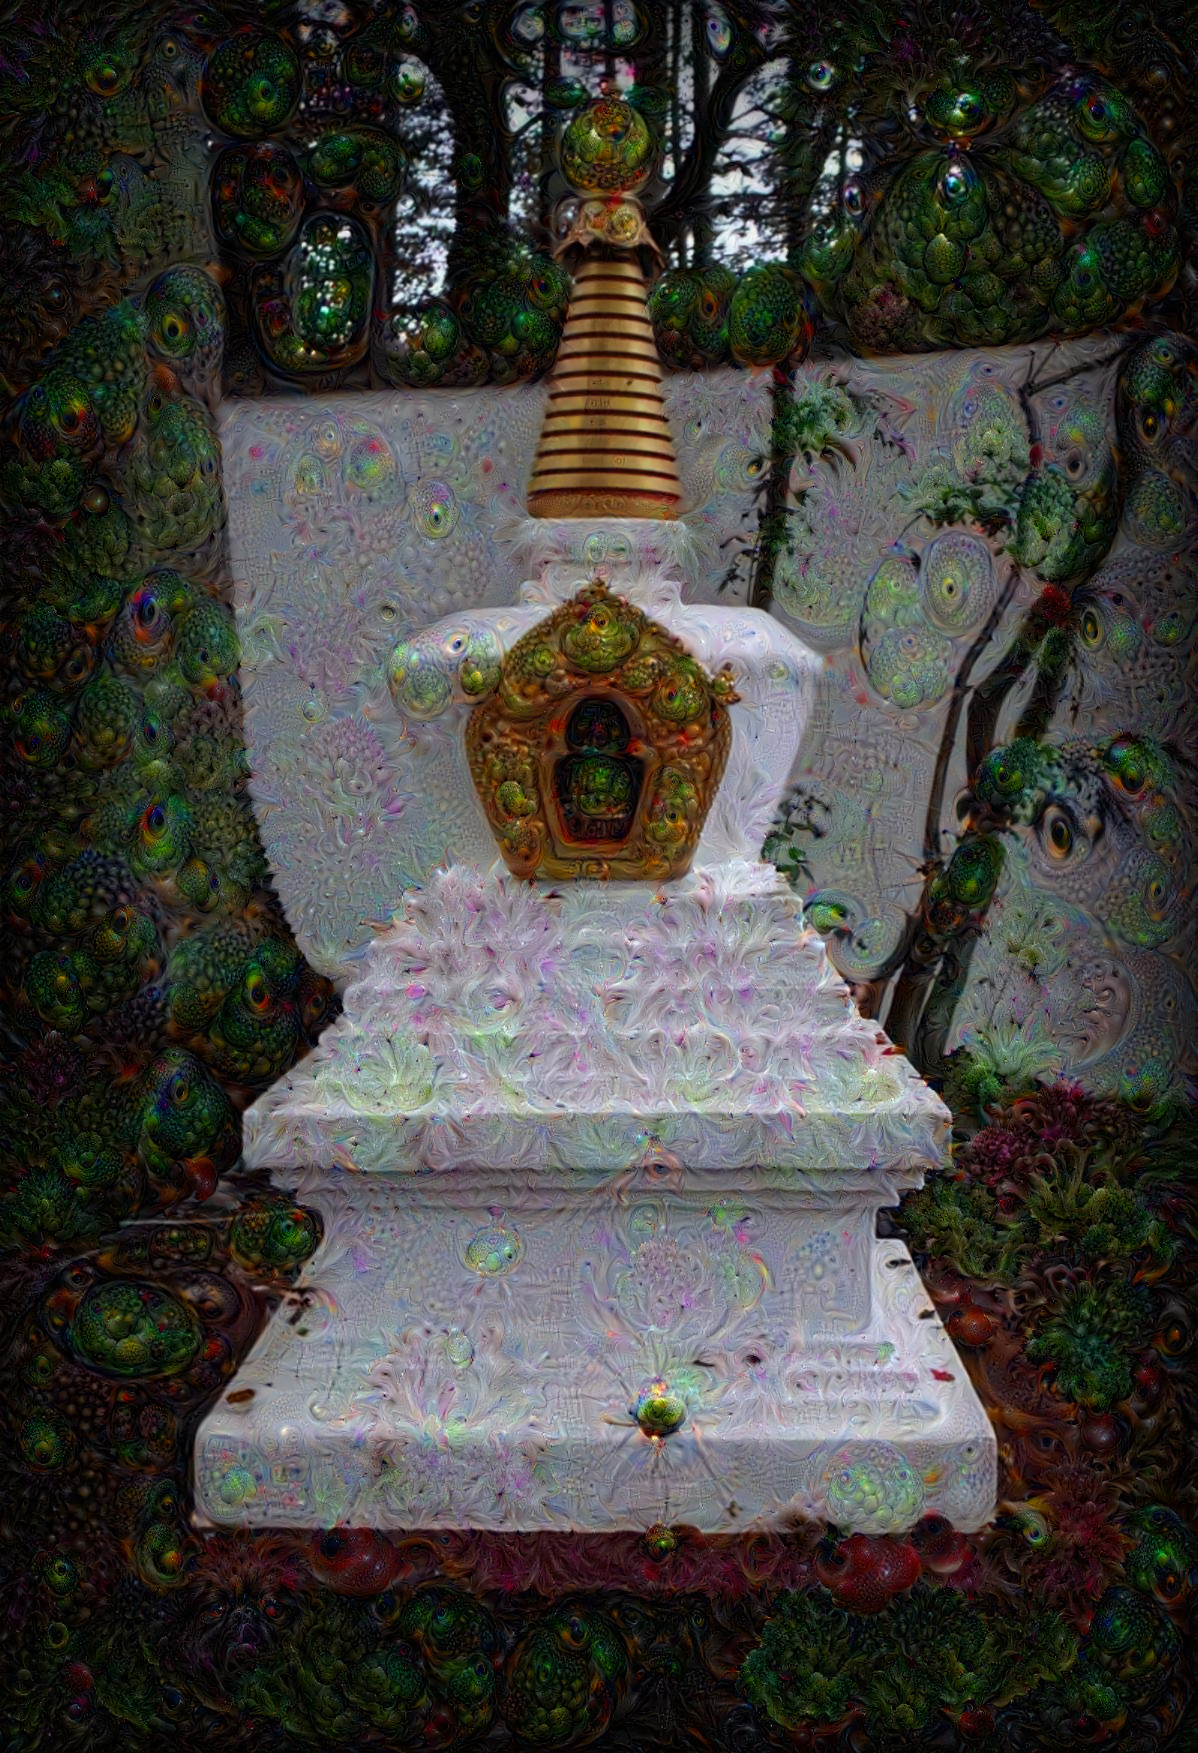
[{"x": 601, "y": 749}]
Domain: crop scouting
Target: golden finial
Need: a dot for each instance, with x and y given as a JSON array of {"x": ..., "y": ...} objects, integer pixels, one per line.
[{"x": 606, "y": 449}]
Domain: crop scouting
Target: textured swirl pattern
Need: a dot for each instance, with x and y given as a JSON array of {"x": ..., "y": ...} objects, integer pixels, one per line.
[{"x": 701, "y": 1016}]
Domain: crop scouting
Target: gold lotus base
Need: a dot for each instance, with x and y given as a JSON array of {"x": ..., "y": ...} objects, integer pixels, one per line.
[{"x": 560, "y": 502}]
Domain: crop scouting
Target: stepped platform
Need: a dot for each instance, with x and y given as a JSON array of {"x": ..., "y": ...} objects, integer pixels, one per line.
[{"x": 600, "y": 1167}]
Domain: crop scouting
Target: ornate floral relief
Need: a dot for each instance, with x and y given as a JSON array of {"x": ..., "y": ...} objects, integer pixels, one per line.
[{"x": 602, "y": 746}]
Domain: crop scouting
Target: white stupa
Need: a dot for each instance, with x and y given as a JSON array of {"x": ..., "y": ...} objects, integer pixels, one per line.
[
  {"x": 600, "y": 1161},
  {"x": 600, "y": 1138}
]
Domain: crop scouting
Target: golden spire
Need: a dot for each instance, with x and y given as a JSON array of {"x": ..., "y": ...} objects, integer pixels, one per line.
[{"x": 605, "y": 448}]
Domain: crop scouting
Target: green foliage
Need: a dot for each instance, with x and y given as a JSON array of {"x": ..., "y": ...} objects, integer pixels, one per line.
[
  {"x": 930, "y": 1652},
  {"x": 1065, "y": 1212},
  {"x": 958, "y": 1222},
  {"x": 813, "y": 417},
  {"x": 1056, "y": 1179},
  {"x": 1089, "y": 1338},
  {"x": 805, "y": 1666}
]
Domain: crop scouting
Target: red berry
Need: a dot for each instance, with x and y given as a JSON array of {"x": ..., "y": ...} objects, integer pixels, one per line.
[
  {"x": 354, "y": 1561},
  {"x": 940, "y": 1547},
  {"x": 862, "y": 1594},
  {"x": 1054, "y": 605},
  {"x": 1149, "y": 1378},
  {"x": 863, "y": 1573},
  {"x": 831, "y": 1564},
  {"x": 902, "y": 1566},
  {"x": 862, "y": 1554},
  {"x": 971, "y": 1326},
  {"x": 976, "y": 1722},
  {"x": 1100, "y": 1433},
  {"x": 853, "y": 1556}
]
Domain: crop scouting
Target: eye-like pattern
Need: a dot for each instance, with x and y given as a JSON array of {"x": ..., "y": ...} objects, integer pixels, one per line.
[
  {"x": 434, "y": 508},
  {"x": 1059, "y": 834},
  {"x": 957, "y": 582},
  {"x": 956, "y": 182},
  {"x": 1091, "y": 629}
]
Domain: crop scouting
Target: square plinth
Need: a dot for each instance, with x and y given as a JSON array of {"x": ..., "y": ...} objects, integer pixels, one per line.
[{"x": 519, "y": 1359}]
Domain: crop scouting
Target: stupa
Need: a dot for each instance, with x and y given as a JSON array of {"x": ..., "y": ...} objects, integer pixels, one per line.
[{"x": 600, "y": 1138}]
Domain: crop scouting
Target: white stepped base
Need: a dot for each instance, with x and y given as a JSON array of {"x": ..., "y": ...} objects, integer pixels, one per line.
[
  {"x": 457, "y": 1358},
  {"x": 569, "y": 1143},
  {"x": 575, "y": 1032}
]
